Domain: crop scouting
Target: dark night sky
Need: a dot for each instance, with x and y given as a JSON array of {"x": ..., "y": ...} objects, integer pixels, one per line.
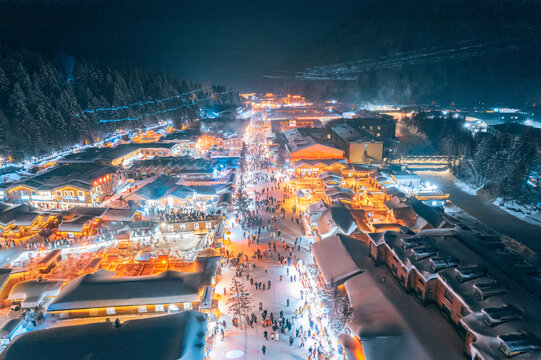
[
  {"x": 237, "y": 42},
  {"x": 198, "y": 39}
]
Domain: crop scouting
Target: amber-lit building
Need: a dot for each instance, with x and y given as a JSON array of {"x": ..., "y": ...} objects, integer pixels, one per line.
[
  {"x": 311, "y": 144},
  {"x": 68, "y": 186},
  {"x": 103, "y": 294},
  {"x": 17, "y": 221},
  {"x": 312, "y": 168}
]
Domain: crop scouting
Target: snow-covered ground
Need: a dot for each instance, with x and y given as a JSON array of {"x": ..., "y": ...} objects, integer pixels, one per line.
[
  {"x": 11, "y": 177},
  {"x": 526, "y": 212},
  {"x": 467, "y": 188}
]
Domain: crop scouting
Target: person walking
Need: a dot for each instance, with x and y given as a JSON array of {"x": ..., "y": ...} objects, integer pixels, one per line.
[
  {"x": 287, "y": 302},
  {"x": 266, "y": 335},
  {"x": 264, "y": 349}
]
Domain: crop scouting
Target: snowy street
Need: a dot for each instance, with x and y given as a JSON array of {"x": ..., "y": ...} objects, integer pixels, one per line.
[{"x": 247, "y": 342}]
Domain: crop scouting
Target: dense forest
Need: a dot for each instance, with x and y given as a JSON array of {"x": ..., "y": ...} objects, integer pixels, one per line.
[
  {"x": 49, "y": 103},
  {"x": 499, "y": 160}
]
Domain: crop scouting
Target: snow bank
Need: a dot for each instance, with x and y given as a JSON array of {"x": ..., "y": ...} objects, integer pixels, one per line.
[
  {"x": 466, "y": 187},
  {"x": 526, "y": 212},
  {"x": 11, "y": 177}
]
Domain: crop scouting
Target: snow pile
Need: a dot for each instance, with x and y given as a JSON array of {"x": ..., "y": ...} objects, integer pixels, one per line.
[
  {"x": 526, "y": 212},
  {"x": 8, "y": 178},
  {"x": 465, "y": 187}
]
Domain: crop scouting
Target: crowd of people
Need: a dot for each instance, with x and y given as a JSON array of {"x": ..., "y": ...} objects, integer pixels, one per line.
[
  {"x": 297, "y": 320},
  {"x": 178, "y": 215}
]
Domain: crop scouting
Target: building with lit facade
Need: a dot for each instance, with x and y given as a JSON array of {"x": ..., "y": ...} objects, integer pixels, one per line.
[
  {"x": 186, "y": 140},
  {"x": 170, "y": 192},
  {"x": 68, "y": 186},
  {"x": 20, "y": 220},
  {"x": 102, "y": 293},
  {"x": 123, "y": 154},
  {"x": 360, "y": 147},
  {"x": 311, "y": 144},
  {"x": 312, "y": 168},
  {"x": 186, "y": 167}
]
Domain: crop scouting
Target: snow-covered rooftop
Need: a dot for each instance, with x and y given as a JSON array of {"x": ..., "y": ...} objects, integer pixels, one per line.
[
  {"x": 485, "y": 284},
  {"x": 168, "y": 337},
  {"x": 31, "y": 293},
  {"x": 102, "y": 289},
  {"x": 334, "y": 257}
]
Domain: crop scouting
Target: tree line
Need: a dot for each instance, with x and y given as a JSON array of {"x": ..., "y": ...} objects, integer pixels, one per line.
[
  {"x": 500, "y": 160},
  {"x": 42, "y": 100}
]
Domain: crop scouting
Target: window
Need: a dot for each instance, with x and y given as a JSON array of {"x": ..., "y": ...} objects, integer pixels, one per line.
[
  {"x": 196, "y": 226},
  {"x": 71, "y": 194},
  {"x": 182, "y": 226},
  {"x": 446, "y": 311},
  {"x": 81, "y": 194},
  {"x": 59, "y": 193},
  {"x": 188, "y": 306},
  {"x": 394, "y": 269},
  {"x": 208, "y": 225},
  {"x": 464, "y": 311},
  {"x": 371, "y": 127},
  {"x": 66, "y": 193},
  {"x": 379, "y": 127},
  {"x": 448, "y": 295},
  {"x": 421, "y": 281}
]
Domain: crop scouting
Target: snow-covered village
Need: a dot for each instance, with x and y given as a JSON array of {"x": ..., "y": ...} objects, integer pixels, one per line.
[{"x": 357, "y": 180}]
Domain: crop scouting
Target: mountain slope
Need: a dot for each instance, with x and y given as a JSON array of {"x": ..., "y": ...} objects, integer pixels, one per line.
[
  {"x": 46, "y": 104},
  {"x": 442, "y": 50}
]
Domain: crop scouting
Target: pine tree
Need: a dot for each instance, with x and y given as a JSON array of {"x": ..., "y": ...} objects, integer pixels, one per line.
[
  {"x": 240, "y": 300},
  {"x": 241, "y": 197},
  {"x": 4, "y": 81},
  {"x": 338, "y": 309}
]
